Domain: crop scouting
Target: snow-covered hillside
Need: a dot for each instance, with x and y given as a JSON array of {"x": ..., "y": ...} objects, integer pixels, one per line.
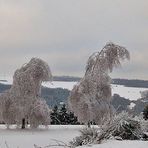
[
  {"x": 61, "y": 84},
  {"x": 131, "y": 93},
  {"x": 14, "y": 138}
]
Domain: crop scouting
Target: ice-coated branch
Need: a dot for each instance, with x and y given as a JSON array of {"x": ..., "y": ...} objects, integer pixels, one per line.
[{"x": 90, "y": 98}]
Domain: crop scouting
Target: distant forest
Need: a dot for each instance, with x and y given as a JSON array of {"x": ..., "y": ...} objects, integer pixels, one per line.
[
  {"x": 58, "y": 96},
  {"x": 125, "y": 82},
  {"x": 53, "y": 96},
  {"x": 131, "y": 83},
  {"x": 66, "y": 78}
]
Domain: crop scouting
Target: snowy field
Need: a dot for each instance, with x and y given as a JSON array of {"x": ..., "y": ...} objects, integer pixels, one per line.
[
  {"x": 120, "y": 144},
  {"x": 14, "y": 138},
  {"x": 42, "y": 137},
  {"x": 131, "y": 93}
]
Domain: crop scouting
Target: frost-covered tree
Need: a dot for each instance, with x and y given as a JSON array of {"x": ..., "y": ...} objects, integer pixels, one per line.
[
  {"x": 90, "y": 98},
  {"x": 22, "y": 103}
]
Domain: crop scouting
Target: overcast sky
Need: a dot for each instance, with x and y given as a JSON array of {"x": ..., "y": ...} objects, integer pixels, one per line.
[{"x": 66, "y": 32}]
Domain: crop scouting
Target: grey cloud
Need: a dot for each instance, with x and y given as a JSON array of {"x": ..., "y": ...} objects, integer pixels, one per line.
[{"x": 65, "y": 33}]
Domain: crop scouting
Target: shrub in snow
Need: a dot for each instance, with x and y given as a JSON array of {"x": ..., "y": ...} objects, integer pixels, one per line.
[
  {"x": 22, "y": 103},
  {"x": 88, "y": 136},
  {"x": 143, "y": 122},
  {"x": 144, "y": 125},
  {"x": 120, "y": 127},
  {"x": 90, "y": 98}
]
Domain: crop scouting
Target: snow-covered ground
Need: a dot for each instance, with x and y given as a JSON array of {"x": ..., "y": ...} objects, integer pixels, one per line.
[
  {"x": 119, "y": 144},
  {"x": 131, "y": 93},
  {"x": 14, "y": 138},
  {"x": 42, "y": 137}
]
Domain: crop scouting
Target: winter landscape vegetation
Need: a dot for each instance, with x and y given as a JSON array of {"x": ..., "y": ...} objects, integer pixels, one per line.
[{"x": 73, "y": 74}]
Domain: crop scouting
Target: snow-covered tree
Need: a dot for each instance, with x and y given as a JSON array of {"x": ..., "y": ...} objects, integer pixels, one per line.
[
  {"x": 22, "y": 103},
  {"x": 90, "y": 98}
]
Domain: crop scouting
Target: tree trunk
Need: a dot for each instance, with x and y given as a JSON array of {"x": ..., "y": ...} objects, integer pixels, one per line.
[
  {"x": 89, "y": 124},
  {"x": 23, "y": 123}
]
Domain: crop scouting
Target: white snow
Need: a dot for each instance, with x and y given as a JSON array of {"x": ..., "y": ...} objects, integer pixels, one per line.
[
  {"x": 17, "y": 138},
  {"x": 132, "y": 105},
  {"x": 119, "y": 144},
  {"x": 41, "y": 137},
  {"x": 59, "y": 84},
  {"x": 6, "y": 80},
  {"x": 131, "y": 93},
  {"x": 54, "y": 84}
]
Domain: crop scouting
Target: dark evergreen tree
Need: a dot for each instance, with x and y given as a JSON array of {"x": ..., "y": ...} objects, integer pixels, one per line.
[
  {"x": 62, "y": 116},
  {"x": 145, "y": 113},
  {"x": 73, "y": 119},
  {"x": 55, "y": 116}
]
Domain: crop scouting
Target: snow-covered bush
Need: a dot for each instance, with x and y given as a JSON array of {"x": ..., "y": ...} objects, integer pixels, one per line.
[
  {"x": 123, "y": 127},
  {"x": 90, "y": 98},
  {"x": 143, "y": 122},
  {"x": 88, "y": 136},
  {"x": 16, "y": 104},
  {"x": 120, "y": 127},
  {"x": 144, "y": 125}
]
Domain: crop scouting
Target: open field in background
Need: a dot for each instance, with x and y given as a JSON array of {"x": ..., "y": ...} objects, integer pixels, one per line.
[{"x": 131, "y": 93}]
